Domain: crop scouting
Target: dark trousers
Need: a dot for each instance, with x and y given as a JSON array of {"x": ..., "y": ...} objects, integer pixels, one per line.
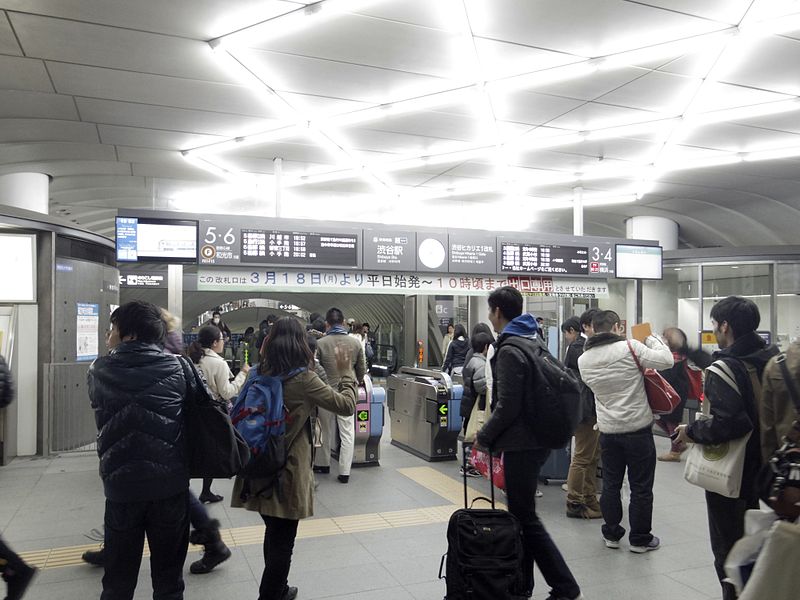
[
  {"x": 198, "y": 515},
  {"x": 522, "y": 472},
  {"x": 635, "y": 452},
  {"x": 8, "y": 558},
  {"x": 726, "y": 527},
  {"x": 278, "y": 546},
  {"x": 166, "y": 524}
]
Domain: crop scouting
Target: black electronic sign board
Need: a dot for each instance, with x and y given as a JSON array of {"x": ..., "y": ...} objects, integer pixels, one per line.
[
  {"x": 547, "y": 259},
  {"x": 299, "y": 248},
  {"x": 472, "y": 253}
]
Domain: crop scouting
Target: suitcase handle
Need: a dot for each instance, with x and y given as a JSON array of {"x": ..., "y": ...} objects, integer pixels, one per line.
[
  {"x": 491, "y": 481},
  {"x": 484, "y": 498}
]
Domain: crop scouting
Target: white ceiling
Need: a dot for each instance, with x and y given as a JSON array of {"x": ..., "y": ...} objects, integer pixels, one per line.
[{"x": 104, "y": 95}]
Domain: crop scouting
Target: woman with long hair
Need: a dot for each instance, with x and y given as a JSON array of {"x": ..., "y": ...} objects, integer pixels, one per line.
[
  {"x": 206, "y": 352},
  {"x": 456, "y": 351},
  {"x": 286, "y": 353}
]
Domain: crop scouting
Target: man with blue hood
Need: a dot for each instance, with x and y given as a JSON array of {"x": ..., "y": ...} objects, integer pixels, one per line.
[{"x": 509, "y": 432}]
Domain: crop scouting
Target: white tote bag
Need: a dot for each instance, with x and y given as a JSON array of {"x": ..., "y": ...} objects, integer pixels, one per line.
[{"x": 718, "y": 467}]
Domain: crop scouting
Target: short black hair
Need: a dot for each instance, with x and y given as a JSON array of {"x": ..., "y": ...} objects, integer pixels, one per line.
[
  {"x": 741, "y": 314},
  {"x": 482, "y": 327},
  {"x": 508, "y": 300},
  {"x": 480, "y": 341},
  {"x": 334, "y": 316},
  {"x": 314, "y": 316},
  {"x": 249, "y": 331},
  {"x": 603, "y": 321},
  {"x": 586, "y": 317},
  {"x": 572, "y": 323},
  {"x": 365, "y": 324},
  {"x": 142, "y": 320},
  {"x": 216, "y": 313},
  {"x": 271, "y": 319}
]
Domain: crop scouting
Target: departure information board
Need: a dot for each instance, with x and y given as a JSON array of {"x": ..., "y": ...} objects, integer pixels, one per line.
[
  {"x": 299, "y": 248},
  {"x": 544, "y": 258}
]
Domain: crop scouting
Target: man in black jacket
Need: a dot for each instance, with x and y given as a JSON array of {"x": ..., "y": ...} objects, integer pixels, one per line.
[
  {"x": 734, "y": 407},
  {"x": 582, "y": 500},
  {"x": 15, "y": 572},
  {"x": 137, "y": 393},
  {"x": 507, "y": 430}
]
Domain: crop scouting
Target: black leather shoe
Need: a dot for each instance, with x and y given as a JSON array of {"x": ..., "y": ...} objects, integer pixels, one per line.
[
  {"x": 210, "y": 498},
  {"x": 323, "y": 470},
  {"x": 19, "y": 581},
  {"x": 94, "y": 557},
  {"x": 343, "y": 478},
  {"x": 290, "y": 593}
]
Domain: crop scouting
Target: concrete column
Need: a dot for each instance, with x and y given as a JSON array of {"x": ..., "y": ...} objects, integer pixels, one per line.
[
  {"x": 30, "y": 191},
  {"x": 647, "y": 300},
  {"x": 577, "y": 211},
  {"x": 175, "y": 290},
  {"x": 653, "y": 228}
]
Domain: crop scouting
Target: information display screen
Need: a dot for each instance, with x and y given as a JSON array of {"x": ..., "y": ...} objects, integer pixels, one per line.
[
  {"x": 18, "y": 283},
  {"x": 156, "y": 240},
  {"x": 299, "y": 248},
  {"x": 639, "y": 262},
  {"x": 519, "y": 257}
]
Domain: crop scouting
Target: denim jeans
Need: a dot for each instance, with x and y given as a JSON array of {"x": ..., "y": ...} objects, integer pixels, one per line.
[
  {"x": 165, "y": 522},
  {"x": 522, "y": 472},
  {"x": 278, "y": 547},
  {"x": 636, "y": 452}
]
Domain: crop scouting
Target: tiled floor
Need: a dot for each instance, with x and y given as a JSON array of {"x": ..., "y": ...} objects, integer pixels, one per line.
[{"x": 379, "y": 537}]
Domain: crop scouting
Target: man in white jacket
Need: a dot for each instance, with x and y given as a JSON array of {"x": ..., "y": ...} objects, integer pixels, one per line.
[{"x": 625, "y": 422}]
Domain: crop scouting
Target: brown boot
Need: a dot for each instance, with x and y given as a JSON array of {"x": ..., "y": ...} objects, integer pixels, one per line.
[
  {"x": 670, "y": 457},
  {"x": 581, "y": 511}
]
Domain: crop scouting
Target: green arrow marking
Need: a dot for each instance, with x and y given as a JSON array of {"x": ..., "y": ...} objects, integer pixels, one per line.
[
  {"x": 443, "y": 409},
  {"x": 363, "y": 415}
]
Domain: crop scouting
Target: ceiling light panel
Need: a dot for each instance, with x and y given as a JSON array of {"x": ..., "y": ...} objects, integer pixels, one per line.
[{"x": 594, "y": 28}]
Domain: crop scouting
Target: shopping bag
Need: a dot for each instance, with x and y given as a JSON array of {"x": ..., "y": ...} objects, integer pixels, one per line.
[
  {"x": 775, "y": 576},
  {"x": 480, "y": 460},
  {"x": 477, "y": 418}
]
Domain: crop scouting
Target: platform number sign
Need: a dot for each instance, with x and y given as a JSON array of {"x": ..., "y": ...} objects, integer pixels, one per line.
[
  {"x": 601, "y": 260},
  {"x": 219, "y": 243}
]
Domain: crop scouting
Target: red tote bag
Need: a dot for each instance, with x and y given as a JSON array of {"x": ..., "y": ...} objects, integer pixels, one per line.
[{"x": 661, "y": 396}]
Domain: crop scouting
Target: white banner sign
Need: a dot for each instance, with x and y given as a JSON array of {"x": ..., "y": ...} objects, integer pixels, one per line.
[{"x": 360, "y": 282}]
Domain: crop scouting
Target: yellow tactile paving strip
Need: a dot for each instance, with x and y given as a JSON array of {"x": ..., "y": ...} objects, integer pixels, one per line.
[{"x": 448, "y": 488}]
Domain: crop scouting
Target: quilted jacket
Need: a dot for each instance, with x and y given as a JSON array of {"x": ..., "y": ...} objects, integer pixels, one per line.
[{"x": 137, "y": 393}]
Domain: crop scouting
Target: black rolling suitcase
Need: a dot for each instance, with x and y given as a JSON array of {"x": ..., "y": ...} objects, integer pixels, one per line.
[{"x": 484, "y": 552}]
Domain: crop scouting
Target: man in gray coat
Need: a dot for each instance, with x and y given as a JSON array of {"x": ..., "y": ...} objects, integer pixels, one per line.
[{"x": 336, "y": 334}]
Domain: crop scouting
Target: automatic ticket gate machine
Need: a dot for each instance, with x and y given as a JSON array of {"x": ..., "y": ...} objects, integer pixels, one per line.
[
  {"x": 368, "y": 426},
  {"x": 424, "y": 407}
]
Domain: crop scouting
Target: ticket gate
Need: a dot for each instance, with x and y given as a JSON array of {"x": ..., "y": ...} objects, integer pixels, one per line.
[
  {"x": 424, "y": 407},
  {"x": 368, "y": 426}
]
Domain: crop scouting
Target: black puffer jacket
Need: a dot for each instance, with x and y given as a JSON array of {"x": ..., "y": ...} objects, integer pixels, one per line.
[
  {"x": 513, "y": 387},
  {"x": 6, "y": 384},
  {"x": 456, "y": 354},
  {"x": 137, "y": 393}
]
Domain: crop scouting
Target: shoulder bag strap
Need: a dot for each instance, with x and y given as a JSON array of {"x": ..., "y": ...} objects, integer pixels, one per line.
[
  {"x": 635, "y": 358},
  {"x": 790, "y": 385}
]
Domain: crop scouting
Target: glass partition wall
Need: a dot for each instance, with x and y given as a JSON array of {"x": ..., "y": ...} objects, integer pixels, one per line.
[{"x": 686, "y": 294}]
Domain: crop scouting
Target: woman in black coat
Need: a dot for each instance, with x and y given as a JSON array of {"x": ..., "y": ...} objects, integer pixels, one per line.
[{"x": 457, "y": 351}]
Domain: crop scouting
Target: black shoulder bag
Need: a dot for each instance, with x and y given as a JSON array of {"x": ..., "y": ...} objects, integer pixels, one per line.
[
  {"x": 215, "y": 448},
  {"x": 779, "y": 480}
]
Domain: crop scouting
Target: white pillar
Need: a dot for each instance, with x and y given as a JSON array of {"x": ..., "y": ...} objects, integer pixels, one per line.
[
  {"x": 30, "y": 191},
  {"x": 653, "y": 228},
  {"x": 175, "y": 290},
  {"x": 658, "y": 307},
  {"x": 577, "y": 211},
  {"x": 278, "y": 171}
]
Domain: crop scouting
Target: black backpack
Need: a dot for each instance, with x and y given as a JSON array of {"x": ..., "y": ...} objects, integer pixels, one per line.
[{"x": 556, "y": 408}]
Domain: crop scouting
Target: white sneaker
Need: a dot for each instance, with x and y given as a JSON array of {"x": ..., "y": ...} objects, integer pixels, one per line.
[
  {"x": 539, "y": 493},
  {"x": 613, "y": 544},
  {"x": 565, "y": 487}
]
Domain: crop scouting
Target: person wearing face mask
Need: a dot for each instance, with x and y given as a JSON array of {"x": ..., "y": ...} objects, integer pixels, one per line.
[{"x": 216, "y": 321}]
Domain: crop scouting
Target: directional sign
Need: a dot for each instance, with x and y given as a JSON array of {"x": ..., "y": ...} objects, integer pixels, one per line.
[
  {"x": 443, "y": 409},
  {"x": 362, "y": 415}
]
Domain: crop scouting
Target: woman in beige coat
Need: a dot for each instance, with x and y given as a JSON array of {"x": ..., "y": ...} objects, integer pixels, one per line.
[
  {"x": 205, "y": 352},
  {"x": 286, "y": 349}
]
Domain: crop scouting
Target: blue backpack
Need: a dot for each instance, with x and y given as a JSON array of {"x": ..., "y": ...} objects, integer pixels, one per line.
[{"x": 260, "y": 416}]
